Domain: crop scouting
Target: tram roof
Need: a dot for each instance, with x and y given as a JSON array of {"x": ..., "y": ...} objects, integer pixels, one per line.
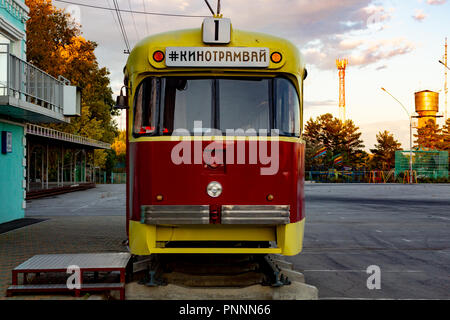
[{"x": 140, "y": 57}]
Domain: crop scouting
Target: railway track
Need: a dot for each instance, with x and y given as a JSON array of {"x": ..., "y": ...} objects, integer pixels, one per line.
[{"x": 214, "y": 271}]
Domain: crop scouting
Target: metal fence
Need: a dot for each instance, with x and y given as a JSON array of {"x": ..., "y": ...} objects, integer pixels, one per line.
[
  {"x": 392, "y": 176},
  {"x": 102, "y": 177},
  {"x": 21, "y": 80},
  {"x": 430, "y": 164}
]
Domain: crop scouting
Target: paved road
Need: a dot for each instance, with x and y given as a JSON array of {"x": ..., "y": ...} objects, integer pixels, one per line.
[
  {"x": 104, "y": 200},
  {"x": 402, "y": 229}
]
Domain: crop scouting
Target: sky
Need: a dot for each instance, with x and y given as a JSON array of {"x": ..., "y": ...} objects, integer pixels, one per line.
[{"x": 395, "y": 44}]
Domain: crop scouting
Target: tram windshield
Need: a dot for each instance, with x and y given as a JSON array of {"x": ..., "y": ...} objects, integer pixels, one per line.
[{"x": 166, "y": 106}]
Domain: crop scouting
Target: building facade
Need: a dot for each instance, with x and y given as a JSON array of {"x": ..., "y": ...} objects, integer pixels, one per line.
[
  {"x": 27, "y": 96},
  {"x": 13, "y": 16}
]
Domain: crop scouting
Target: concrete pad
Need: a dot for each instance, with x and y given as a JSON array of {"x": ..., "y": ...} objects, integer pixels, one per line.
[
  {"x": 283, "y": 264},
  {"x": 295, "y": 291},
  {"x": 293, "y": 275},
  {"x": 237, "y": 280}
]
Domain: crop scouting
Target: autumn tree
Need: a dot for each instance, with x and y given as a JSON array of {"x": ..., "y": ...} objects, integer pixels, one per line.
[
  {"x": 55, "y": 44},
  {"x": 384, "y": 152},
  {"x": 337, "y": 137},
  {"x": 120, "y": 146}
]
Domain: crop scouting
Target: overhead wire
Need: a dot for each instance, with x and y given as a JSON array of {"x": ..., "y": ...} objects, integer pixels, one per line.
[
  {"x": 113, "y": 16},
  {"x": 134, "y": 21},
  {"x": 122, "y": 27},
  {"x": 209, "y": 6},
  {"x": 119, "y": 20},
  {"x": 146, "y": 18},
  {"x": 132, "y": 11}
]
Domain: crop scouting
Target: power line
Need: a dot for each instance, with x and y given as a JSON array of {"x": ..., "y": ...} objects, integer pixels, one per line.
[
  {"x": 146, "y": 18},
  {"x": 132, "y": 11},
  {"x": 122, "y": 27},
  {"x": 113, "y": 16},
  {"x": 209, "y": 6},
  {"x": 134, "y": 22}
]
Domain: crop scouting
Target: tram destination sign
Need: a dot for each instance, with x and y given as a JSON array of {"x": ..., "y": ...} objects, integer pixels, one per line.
[{"x": 231, "y": 57}]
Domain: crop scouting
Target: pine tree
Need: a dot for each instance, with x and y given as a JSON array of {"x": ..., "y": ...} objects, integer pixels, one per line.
[
  {"x": 429, "y": 137},
  {"x": 384, "y": 152},
  {"x": 444, "y": 143},
  {"x": 337, "y": 137}
]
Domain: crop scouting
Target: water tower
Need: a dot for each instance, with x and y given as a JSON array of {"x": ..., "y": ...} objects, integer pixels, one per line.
[{"x": 427, "y": 107}]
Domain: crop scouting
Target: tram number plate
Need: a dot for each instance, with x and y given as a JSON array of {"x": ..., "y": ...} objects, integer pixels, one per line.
[{"x": 217, "y": 57}]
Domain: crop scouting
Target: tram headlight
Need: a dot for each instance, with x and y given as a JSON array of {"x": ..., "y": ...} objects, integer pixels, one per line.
[{"x": 214, "y": 189}]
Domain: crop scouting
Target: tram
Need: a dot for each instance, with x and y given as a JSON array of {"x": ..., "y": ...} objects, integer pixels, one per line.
[{"x": 215, "y": 156}]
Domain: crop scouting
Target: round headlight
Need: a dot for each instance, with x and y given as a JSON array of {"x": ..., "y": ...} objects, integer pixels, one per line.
[{"x": 214, "y": 189}]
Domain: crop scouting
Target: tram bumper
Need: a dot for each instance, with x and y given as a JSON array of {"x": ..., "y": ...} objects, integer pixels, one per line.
[
  {"x": 259, "y": 215},
  {"x": 160, "y": 225}
]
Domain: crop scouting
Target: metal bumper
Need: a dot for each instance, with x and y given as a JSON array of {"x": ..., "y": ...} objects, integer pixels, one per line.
[
  {"x": 273, "y": 215},
  {"x": 175, "y": 214},
  {"x": 262, "y": 215}
]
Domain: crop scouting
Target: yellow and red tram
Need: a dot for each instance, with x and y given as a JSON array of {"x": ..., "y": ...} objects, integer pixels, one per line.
[{"x": 215, "y": 154}]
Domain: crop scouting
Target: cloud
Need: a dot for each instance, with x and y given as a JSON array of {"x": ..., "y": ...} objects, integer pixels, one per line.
[
  {"x": 320, "y": 28},
  {"x": 359, "y": 52},
  {"x": 436, "y": 2},
  {"x": 323, "y": 103},
  {"x": 419, "y": 15}
]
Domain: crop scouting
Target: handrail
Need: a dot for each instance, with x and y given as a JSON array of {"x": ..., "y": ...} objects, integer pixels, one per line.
[
  {"x": 55, "y": 134},
  {"x": 27, "y": 82}
]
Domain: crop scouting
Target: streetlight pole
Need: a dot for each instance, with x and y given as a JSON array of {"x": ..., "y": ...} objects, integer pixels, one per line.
[
  {"x": 441, "y": 62},
  {"x": 410, "y": 136}
]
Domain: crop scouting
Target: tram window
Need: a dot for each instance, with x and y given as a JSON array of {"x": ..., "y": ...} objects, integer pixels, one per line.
[
  {"x": 146, "y": 106},
  {"x": 165, "y": 105},
  {"x": 244, "y": 104},
  {"x": 187, "y": 101},
  {"x": 287, "y": 108}
]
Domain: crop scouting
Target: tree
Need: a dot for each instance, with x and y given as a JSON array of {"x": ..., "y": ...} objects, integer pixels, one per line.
[
  {"x": 48, "y": 30},
  {"x": 429, "y": 137},
  {"x": 55, "y": 45},
  {"x": 337, "y": 137},
  {"x": 444, "y": 144},
  {"x": 384, "y": 152},
  {"x": 120, "y": 146}
]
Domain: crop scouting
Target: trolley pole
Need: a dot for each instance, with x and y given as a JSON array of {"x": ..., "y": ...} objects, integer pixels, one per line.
[{"x": 410, "y": 136}]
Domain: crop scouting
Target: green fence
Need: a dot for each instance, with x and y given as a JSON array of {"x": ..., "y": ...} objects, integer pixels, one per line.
[
  {"x": 426, "y": 164},
  {"x": 102, "y": 177}
]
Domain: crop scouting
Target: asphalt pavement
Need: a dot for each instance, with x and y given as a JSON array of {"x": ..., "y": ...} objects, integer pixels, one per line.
[{"x": 402, "y": 229}]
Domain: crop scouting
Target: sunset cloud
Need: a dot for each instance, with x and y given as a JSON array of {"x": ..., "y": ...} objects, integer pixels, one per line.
[
  {"x": 419, "y": 15},
  {"x": 436, "y": 2},
  {"x": 359, "y": 52}
]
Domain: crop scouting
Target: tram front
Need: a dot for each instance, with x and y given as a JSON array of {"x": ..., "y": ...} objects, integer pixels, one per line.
[{"x": 215, "y": 156}]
